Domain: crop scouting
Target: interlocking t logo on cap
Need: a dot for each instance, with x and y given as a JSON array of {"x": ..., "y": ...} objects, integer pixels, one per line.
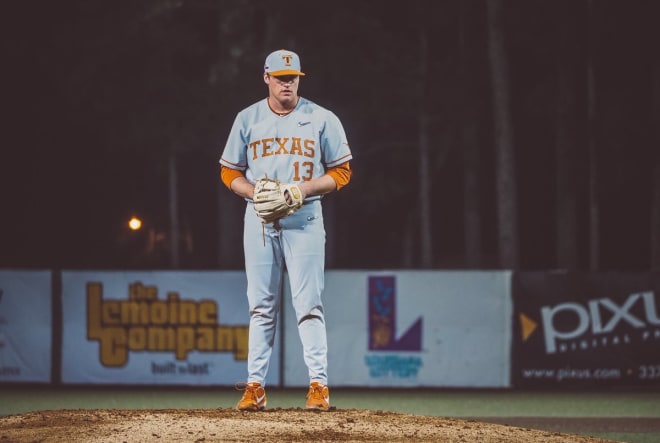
[{"x": 282, "y": 62}]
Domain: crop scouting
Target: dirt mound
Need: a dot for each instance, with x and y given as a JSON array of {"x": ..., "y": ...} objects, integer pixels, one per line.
[{"x": 291, "y": 425}]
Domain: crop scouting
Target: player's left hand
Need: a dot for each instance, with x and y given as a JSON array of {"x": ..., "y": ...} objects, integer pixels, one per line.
[{"x": 274, "y": 200}]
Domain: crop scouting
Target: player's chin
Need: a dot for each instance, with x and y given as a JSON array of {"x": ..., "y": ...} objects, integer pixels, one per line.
[{"x": 289, "y": 99}]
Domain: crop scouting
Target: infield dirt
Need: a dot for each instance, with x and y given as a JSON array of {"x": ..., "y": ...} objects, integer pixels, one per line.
[{"x": 271, "y": 425}]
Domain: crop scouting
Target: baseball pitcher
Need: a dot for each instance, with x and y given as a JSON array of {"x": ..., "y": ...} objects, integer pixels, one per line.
[{"x": 282, "y": 155}]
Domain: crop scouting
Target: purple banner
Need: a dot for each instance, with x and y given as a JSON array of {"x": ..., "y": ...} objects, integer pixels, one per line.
[{"x": 382, "y": 319}]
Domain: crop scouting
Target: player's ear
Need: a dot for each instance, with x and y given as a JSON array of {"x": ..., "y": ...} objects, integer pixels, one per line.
[{"x": 266, "y": 78}]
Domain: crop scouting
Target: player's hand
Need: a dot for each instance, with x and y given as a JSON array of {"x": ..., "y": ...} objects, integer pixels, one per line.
[
  {"x": 290, "y": 200},
  {"x": 274, "y": 200}
]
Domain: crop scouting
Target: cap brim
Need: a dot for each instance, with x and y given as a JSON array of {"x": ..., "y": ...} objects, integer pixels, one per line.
[{"x": 285, "y": 72}]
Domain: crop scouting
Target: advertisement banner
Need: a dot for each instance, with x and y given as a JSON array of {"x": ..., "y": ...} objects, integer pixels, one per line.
[
  {"x": 25, "y": 326},
  {"x": 586, "y": 329},
  {"x": 410, "y": 329},
  {"x": 156, "y": 328}
]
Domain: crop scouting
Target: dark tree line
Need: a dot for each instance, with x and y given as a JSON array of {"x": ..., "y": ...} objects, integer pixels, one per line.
[{"x": 486, "y": 134}]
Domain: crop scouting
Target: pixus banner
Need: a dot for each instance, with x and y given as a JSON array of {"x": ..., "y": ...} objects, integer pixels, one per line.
[{"x": 588, "y": 329}]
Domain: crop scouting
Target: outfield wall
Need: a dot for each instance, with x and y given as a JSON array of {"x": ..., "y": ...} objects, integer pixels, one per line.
[
  {"x": 26, "y": 338},
  {"x": 386, "y": 328},
  {"x": 407, "y": 329}
]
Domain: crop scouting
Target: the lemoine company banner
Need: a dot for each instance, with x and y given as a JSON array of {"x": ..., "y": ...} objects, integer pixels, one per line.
[
  {"x": 25, "y": 326},
  {"x": 586, "y": 329},
  {"x": 411, "y": 329},
  {"x": 158, "y": 328}
]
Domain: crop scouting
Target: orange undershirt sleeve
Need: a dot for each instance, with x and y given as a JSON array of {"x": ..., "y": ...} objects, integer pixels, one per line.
[
  {"x": 228, "y": 175},
  {"x": 341, "y": 174}
]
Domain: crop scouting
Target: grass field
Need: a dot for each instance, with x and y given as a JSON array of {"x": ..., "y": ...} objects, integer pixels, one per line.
[{"x": 627, "y": 416}]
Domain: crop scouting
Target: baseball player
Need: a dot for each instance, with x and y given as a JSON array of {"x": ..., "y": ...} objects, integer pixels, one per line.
[{"x": 303, "y": 148}]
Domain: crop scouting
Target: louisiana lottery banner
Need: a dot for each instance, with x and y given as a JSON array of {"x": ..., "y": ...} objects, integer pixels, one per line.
[
  {"x": 158, "y": 328},
  {"x": 410, "y": 329},
  {"x": 586, "y": 329},
  {"x": 25, "y": 326}
]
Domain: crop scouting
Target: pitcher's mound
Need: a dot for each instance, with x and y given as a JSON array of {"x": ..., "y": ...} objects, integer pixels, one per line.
[{"x": 272, "y": 425}]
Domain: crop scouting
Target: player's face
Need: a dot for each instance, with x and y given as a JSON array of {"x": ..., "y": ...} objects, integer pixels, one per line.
[{"x": 283, "y": 88}]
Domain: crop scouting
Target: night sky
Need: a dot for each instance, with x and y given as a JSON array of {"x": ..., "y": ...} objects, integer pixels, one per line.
[{"x": 96, "y": 94}]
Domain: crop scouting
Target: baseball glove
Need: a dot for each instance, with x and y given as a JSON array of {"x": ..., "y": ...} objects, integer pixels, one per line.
[{"x": 274, "y": 200}]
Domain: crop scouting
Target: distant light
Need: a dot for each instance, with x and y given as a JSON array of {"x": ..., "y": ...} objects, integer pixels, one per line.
[{"x": 134, "y": 223}]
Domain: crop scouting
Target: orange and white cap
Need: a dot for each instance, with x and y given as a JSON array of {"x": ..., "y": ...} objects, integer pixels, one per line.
[{"x": 282, "y": 62}]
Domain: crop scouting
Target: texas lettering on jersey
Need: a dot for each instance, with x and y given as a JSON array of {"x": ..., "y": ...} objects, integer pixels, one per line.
[{"x": 282, "y": 146}]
